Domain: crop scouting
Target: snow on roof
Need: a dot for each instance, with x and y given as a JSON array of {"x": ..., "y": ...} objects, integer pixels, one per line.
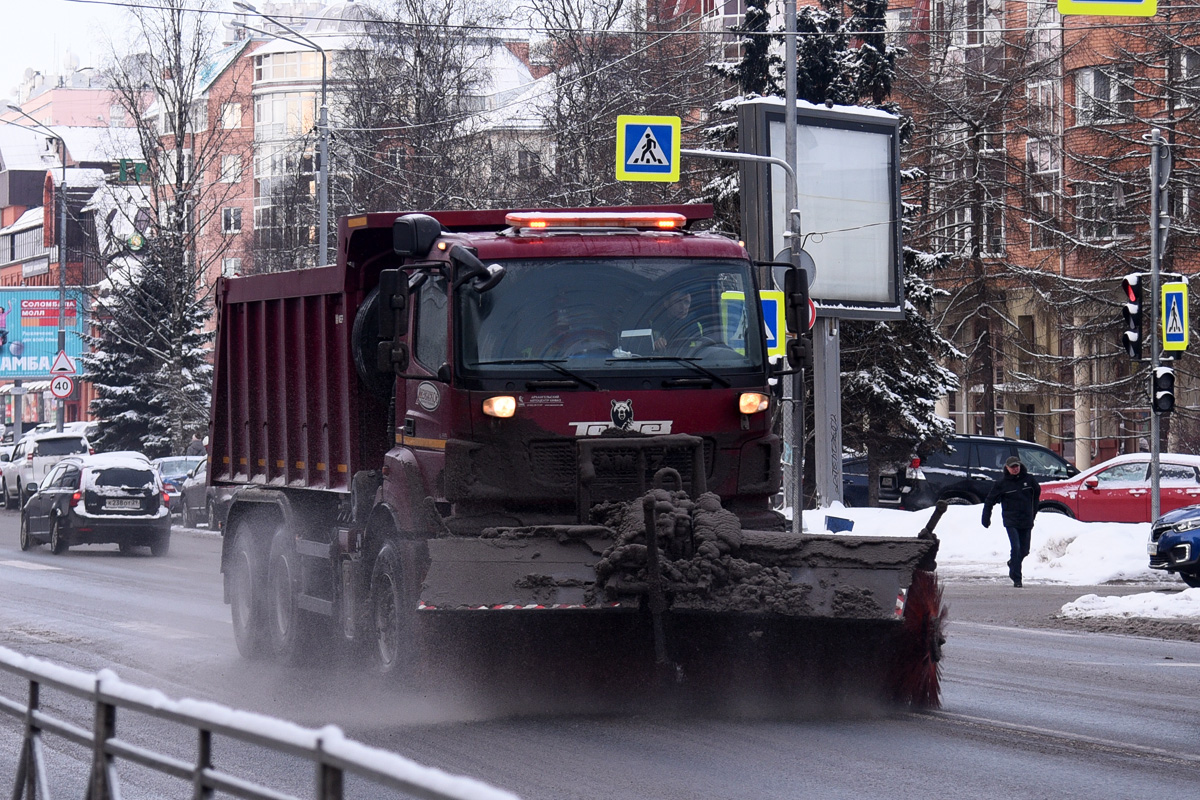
[
  {"x": 524, "y": 108},
  {"x": 89, "y": 145},
  {"x": 26, "y": 150},
  {"x": 219, "y": 62},
  {"x": 33, "y": 218},
  {"x": 77, "y": 177}
]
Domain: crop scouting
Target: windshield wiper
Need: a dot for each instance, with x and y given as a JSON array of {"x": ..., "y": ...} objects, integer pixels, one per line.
[
  {"x": 691, "y": 362},
  {"x": 554, "y": 364}
]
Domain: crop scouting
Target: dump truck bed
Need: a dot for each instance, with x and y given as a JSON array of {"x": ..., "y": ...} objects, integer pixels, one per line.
[{"x": 287, "y": 402}]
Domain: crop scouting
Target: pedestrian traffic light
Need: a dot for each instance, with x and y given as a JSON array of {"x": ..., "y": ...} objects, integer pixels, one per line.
[
  {"x": 1162, "y": 393},
  {"x": 1131, "y": 337}
]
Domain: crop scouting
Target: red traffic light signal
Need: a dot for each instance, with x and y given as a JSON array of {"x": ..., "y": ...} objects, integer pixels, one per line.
[{"x": 1131, "y": 312}]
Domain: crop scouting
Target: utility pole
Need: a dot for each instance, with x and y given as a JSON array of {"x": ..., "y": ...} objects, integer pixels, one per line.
[{"x": 1160, "y": 171}]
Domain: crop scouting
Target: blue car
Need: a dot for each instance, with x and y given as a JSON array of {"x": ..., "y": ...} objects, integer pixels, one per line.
[{"x": 1175, "y": 544}]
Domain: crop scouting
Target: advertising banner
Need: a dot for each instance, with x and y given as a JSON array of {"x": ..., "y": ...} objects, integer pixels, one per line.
[{"x": 29, "y": 331}]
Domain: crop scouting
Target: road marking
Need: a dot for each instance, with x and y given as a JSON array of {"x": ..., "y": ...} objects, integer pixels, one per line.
[
  {"x": 161, "y": 631},
  {"x": 1094, "y": 742},
  {"x": 27, "y": 565}
]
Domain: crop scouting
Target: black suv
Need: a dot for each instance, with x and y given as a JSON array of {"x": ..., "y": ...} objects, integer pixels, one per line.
[{"x": 965, "y": 474}]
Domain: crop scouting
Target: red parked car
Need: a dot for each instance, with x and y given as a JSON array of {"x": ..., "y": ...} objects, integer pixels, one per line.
[{"x": 1119, "y": 489}]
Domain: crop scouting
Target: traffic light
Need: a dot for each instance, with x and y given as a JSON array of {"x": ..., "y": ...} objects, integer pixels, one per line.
[
  {"x": 796, "y": 308},
  {"x": 1131, "y": 337},
  {"x": 1162, "y": 393}
]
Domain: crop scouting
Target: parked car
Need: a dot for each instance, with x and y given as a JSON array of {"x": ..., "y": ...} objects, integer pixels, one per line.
[
  {"x": 32, "y": 459},
  {"x": 1174, "y": 544},
  {"x": 174, "y": 469},
  {"x": 965, "y": 474},
  {"x": 98, "y": 499},
  {"x": 199, "y": 503},
  {"x": 856, "y": 487},
  {"x": 1119, "y": 489}
]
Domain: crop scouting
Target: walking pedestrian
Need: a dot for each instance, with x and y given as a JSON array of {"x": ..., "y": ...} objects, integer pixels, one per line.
[{"x": 1018, "y": 495}]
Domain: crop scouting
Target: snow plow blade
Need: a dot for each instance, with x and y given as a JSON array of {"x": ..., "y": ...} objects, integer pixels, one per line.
[{"x": 700, "y": 561}]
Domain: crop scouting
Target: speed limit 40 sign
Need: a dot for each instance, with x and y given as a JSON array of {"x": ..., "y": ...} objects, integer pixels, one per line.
[{"x": 62, "y": 386}]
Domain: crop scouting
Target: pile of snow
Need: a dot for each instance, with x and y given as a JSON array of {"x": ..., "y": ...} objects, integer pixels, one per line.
[
  {"x": 1151, "y": 605},
  {"x": 1062, "y": 551}
]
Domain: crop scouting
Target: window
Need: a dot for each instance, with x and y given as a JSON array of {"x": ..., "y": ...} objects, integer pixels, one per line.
[
  {"x": 1041, "y": 463},
  {"x": 231, "y": 220},
  {"x": 231, "y": 169},
  {"x": 1045, "y": 187},
  {"x": 431, "y": 342},
  {"x": 231, "y": 267},
  {"x": 1177, "y": 475},
  {"x": 1123, "y": 475},
  {"x": 963, "y": 164},
  {"x": 169, "y": 167},
  {"x": 231, "y": 115},
  {"x": 287, "y": 66},
  {"x": 1103, "y": 94},
  {"x": 529, "y": 164},
  {"x": 1187, "y": 75},
  {"x": 284, "y": 114},
  {"x": 116, "y": 115},
  {"x": 1102, "y": 211},
  {"x": 992, "y": 455},
  {"x": 969, "y": 23}
]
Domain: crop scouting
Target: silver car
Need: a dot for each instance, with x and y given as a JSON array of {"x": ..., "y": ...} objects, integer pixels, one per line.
[{"x": 32, "y": 459}]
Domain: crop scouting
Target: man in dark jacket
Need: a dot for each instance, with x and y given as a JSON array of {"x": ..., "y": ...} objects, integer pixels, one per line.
[{"x": 1018, "y": 495}]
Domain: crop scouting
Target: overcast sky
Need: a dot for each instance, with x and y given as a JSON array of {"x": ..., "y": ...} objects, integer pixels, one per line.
[{"x": 38, "y": 34}]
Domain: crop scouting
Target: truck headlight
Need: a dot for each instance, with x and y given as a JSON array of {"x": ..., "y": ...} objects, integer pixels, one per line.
[
  {"x": 752, "y": 402},
  {"x": 503, "y": 406}
]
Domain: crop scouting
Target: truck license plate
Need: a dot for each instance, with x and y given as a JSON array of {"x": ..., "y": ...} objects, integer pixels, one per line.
[{"x": 118, "y": 503}]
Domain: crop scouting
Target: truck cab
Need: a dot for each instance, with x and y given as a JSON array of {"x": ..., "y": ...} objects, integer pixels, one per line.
[{"x": 580, "y": 326}]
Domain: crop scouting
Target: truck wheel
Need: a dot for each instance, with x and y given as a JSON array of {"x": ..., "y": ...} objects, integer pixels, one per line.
[
  {"x": 917, "y": 653},
  {"x": 247, "y": 602},
  {"x": 1192, "y": 579},
  {"x": 393, "y": 614},
  {"x": 291, "y": 629}
]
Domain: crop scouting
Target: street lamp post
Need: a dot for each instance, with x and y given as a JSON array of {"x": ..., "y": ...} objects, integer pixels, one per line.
[
  {"x": 322, "y": 124},
  {"x": 61, "y": 198}
]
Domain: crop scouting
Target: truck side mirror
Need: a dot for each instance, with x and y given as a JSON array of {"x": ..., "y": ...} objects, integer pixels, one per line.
[
  {"x": 483, "y": 277},
  {"x": 391, "y": 354},
  {"x": 414, "y": 235}
]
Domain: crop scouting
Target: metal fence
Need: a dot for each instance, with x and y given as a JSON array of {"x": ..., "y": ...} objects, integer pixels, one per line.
[{"x": 333, "y": 755}]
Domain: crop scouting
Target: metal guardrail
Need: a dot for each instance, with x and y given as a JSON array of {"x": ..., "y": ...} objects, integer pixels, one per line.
[{"x": 333, "y": 755}]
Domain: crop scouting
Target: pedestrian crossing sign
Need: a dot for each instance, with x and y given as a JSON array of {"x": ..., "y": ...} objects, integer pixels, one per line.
[
  {"x": 1174, "y": 316},
  {"x": 647, "y": 148}
]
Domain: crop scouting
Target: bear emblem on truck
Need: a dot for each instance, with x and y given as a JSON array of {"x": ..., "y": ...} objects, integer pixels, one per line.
[{"x": 622, "y": 414}]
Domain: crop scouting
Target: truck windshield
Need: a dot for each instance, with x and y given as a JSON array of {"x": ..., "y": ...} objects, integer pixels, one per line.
[{"x": 591, "y": 316}]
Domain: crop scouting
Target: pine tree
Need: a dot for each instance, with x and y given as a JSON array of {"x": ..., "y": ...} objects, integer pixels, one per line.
[
  {"x": 755, "y": 75},
  {"x": 892, "y": 372},
  {"x": 149, "y": 364}
]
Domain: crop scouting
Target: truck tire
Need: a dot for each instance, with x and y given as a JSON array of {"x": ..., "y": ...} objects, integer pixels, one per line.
[
  {"x": 247, "y": 600},
  {"x": 291, "y": 630},
  {"x": 393, "y": 619},
  {"x": 1192, "y": 579}
]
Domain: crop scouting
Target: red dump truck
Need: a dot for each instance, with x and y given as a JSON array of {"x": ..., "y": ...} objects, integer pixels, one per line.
[{"x": 554, "y": 415}]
